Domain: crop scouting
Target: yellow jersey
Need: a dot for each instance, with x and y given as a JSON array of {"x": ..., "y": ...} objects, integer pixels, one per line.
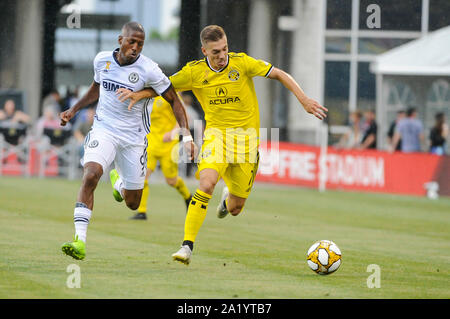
[
  {"x": 162, "y": 120},
  {"x": 227, "y": 96}
]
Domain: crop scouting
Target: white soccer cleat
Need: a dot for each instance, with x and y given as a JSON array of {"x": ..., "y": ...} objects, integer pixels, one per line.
[
  {"x": 221, "y": 210},
  {"x": 183, "y": 255}
]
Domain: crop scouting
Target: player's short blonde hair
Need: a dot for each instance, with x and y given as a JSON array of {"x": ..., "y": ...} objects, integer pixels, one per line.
[{"x": 211, "y": 33}]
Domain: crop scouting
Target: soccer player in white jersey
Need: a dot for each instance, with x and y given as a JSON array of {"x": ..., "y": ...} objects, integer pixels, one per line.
[{"x": 119, "y": 134}]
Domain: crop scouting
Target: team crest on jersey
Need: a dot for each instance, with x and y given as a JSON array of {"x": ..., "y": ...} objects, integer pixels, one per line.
[
  {"x": 93, "y": 144},
  {"x": 133, "y": 77},
  {"x": 233, "y": 75}
]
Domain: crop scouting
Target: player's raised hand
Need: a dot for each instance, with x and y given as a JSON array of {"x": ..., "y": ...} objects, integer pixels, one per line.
[
  {"x": 124, "y": 94},
  {"x": 66, "y": 116},
  {"x": 313, "y": 107}
]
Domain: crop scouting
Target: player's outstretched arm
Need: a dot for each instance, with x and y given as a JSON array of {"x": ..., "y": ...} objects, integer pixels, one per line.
[
  {"x": 311, "y": 106},
  {"x": 88, "y": 98},
  {"x": 180, "y": 114},
  {"x": 124, "y": 94}
]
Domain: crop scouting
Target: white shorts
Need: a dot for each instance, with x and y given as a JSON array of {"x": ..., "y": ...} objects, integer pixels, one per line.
[{"x": 130, "y": 160}]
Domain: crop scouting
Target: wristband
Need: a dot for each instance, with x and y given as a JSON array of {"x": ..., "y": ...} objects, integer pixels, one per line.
[{"x": 187, "y": 138}]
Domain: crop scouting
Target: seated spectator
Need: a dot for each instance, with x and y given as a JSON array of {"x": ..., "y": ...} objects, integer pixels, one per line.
[
  {"x": 9, "y": 113},
  {"x": 70, "y": 100},
  {"x": 13, "y": 123},
  {"x": 49, "y": 124},
  {"x": 82, "y": 127},
  {"x": 438, "y": 135},
  {"x": 369, "y": 140},
  {"x": 410, "y": 131},
  {"x": 353, "y": 138},
  {"x": 52, "y": 99},
  {"x": 391, "y": 131}
]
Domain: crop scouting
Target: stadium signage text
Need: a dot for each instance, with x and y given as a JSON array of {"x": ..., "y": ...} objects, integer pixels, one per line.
[
  {"x": 335, "y": 168},
  {"x": 370, "y": 170}
]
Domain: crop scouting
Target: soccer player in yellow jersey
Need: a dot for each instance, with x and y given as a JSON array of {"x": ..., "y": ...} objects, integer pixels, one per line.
[
  {"x": 162, "y": 139},
  {"x": 223, "y": 84}
]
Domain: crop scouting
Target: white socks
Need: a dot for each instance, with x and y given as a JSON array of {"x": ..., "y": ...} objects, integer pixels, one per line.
[{"x": 81, "y": 217}]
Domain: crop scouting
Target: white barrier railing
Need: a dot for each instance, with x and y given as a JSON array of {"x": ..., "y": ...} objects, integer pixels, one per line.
[{"x": 38, "y": 157}]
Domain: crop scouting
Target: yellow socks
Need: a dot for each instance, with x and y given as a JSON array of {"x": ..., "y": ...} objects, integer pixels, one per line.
[
  {"x": 181, "y": 187},
  {"x": 143, "y": 204},
  {"x": 196, "y": 215}
]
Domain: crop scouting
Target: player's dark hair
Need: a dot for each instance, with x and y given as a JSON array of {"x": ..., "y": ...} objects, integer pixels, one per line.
[
  {"x": 211, "y": 33},
  {"x": 132, "y": 26}
]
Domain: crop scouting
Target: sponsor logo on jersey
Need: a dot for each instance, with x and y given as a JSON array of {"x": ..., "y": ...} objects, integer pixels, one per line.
[
  {"x": 133, "y": 77},
  {"x": 233, "y": 75},
  {"x": 221, "y": 93},
  {"x": 225, "y": 100},
  {"x": 113, "y": 86}
]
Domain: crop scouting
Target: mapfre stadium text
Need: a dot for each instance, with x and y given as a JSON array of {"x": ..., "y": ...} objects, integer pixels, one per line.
[{"x": 251, "y": 308}]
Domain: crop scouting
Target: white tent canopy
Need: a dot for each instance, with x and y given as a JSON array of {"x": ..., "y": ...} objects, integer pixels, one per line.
[
  {"x": 429, "y": 55},
  {"x": 415, "y": 74}
]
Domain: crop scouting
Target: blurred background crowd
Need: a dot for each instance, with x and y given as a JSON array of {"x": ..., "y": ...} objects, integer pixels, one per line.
[{"x": 381, "y": 67}]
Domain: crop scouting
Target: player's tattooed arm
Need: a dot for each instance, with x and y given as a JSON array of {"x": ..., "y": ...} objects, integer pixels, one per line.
[
  {"x": 124, "y": 94},
  {"x": 90, "y": 97},
  {"x": 311, "y": 106}
]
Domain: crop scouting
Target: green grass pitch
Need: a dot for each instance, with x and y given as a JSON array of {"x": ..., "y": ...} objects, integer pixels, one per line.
[{"x": 259, "y": 254}]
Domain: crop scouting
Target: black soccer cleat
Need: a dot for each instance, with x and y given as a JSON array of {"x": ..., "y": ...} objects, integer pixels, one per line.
[{"x": 139, "y": 216}]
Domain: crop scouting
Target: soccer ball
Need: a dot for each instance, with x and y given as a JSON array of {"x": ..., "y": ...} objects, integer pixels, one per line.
[{"x": 324, "y": 257}]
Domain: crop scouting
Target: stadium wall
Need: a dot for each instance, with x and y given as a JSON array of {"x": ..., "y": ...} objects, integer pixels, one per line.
[{"x": 369, "y": 171}]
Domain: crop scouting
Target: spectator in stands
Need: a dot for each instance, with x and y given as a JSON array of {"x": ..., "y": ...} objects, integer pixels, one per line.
[
  {"x": 49, "y": 120},
  {"x": 353, "y": 137},
  {"x": 438, "y": 135},
  {"x": 70, "y": 100},
  {"x": 369, "y": 139},
  {"x": 410, "y": 131},
  {"x": 400, "y": 115},
  {"x": 13, "y": 123},
  {"x": 52, "y": 99},
  {"x": 82, "y": 127},
  {"x": 9, "y": 113}
]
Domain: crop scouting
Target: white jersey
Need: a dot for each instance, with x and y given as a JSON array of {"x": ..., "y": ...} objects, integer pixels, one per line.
[{"x": 113, "y": 115}]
